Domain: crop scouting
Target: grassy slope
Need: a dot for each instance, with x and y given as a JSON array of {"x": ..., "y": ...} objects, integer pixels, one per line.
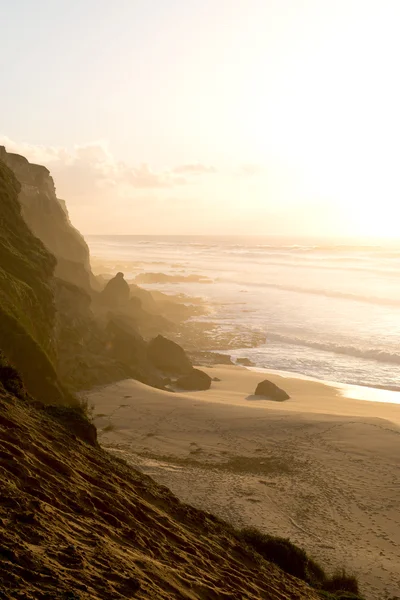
[
  {"x": 26, "y": 297},
  {"x": 77, "y": 523}
]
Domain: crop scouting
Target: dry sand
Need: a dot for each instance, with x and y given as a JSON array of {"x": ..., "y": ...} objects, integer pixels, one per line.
[{"x": 319, "y": 468}]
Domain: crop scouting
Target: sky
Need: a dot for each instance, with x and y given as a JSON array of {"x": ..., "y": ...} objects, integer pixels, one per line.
[{"x": 209, "y": 116}]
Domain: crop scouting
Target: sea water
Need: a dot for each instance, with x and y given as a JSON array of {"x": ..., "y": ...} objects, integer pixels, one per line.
[{"x": 329, "y": 311}]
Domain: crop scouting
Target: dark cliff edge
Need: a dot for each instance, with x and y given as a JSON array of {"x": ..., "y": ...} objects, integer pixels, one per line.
[
  {"x": 27, "y": 309},
  {"x": 55, "y": 327},
  {"x": 47, "y": 218}
]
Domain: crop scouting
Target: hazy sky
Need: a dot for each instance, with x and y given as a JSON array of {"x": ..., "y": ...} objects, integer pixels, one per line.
[{"x": 209, "y": 116}]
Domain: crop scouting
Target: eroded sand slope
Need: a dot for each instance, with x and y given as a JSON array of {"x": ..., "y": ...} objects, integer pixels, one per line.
[{"x": 76, "y": 523}]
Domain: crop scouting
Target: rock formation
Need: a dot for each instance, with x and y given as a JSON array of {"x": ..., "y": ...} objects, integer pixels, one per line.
[
  {"x": 47, "y": 218},
  {"x": 27, "y": 310},
  {"x": 130, "y": 349},
  {"x": 196, "y": 380},
  {"x": 168, "y": 356},
  {"x": 47, "y": 326},
  {"x": 271, "y": 391},
  {"x": 116, "y": 292}
]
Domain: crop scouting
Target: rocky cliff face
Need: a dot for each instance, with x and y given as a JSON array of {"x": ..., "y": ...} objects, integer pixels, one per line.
[
  {"x": 47, "y": 217},
  {"x": 53, "y": 325},
  {"x": 27, "y": 310}
]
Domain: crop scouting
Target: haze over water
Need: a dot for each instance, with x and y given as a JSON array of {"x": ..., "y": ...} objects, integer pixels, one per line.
[{"x": 326, "y": 311}]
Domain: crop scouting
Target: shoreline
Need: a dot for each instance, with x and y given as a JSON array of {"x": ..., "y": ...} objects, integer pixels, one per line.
[
  {"x": 239, "y": 322},
  {"x": 363, "y": 392}
]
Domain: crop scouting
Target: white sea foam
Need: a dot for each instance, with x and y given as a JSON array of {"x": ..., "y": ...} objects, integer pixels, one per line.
[{"x": 327, "y": 311}]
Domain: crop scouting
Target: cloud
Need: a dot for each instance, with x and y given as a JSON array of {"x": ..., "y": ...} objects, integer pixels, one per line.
[
  {"x": 144, "y": 177},
  {"x": 249, "y": 170},
  {"x": 86, "y": 168},
  {"x": 103, "y": 193},
  {"x": 195, "y": 169}
]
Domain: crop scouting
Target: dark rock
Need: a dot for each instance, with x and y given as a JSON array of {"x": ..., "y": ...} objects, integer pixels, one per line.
[
  {"x": 216, "y": 379},
  {"x": 196, "y": 380},
  {"x": 246, "y": 362},
  {"x": 26, "y": 297},
  {"x": 116, "y": 292},
  {"x": 10, "y": 379},
  {"x": 47, "y": 217},
  {"x": 271, "y": 391},
  {"x": 210, "y": 359},
  {"x": 128, "y": 347},
  {"x": 168, "y": 356}
]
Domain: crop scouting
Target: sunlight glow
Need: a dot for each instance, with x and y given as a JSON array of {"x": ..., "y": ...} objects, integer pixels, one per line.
[{"x": 279, "y": 116}]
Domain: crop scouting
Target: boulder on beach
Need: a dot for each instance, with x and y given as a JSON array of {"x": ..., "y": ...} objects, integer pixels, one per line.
[
  {"x": 168, "y": 356},
  {"x": 196, "y": 380},
  {"x": 271, "y": 391}
]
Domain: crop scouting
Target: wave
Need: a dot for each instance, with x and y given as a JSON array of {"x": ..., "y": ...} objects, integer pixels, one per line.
[
  {"x": 348, "y": 350},
  {"x": 324, "y": 267},
  {"x": 319, "y": 292},
  {"x": 241, "y": 243}
]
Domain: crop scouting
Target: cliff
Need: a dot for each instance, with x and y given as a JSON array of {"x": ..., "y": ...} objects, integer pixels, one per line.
[
  {"x": 47, "y": 217},
  {"x": 48, "y": 328},
  {"x": 27, "y": 311}
]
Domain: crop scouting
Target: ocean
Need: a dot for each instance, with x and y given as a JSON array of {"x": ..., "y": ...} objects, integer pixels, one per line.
[{"x": 330, "y": 312}]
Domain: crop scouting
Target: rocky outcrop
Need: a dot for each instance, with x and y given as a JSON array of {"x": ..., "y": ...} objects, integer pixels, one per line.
[
  {"x": 128, "y": 347},
  {"x": 53, "y": 326},
  {"x": 10, "y": 379},
  {"x": 270, "y": 391},
  {"x": 47, "y": 328},
  {"x": 196, "y": 380},
  {"x": 168, "y": 356},
  {"x": 116, "y": 292},
  {"x": 47, "y": 218},
  {"x": 27, "y": 310}
]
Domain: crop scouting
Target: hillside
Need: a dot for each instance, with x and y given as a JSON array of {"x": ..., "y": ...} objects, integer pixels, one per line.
[{"x": 77, "y": 523}]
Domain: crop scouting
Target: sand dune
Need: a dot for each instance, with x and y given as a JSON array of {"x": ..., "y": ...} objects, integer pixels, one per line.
[{"x": 320, "y": 468}]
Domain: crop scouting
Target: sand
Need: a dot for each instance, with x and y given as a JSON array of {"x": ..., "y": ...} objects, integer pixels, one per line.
[{"x": 319, "y": 468}]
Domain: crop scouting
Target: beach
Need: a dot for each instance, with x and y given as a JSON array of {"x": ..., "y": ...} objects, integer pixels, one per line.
[{"x": 320, "y": 468}]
